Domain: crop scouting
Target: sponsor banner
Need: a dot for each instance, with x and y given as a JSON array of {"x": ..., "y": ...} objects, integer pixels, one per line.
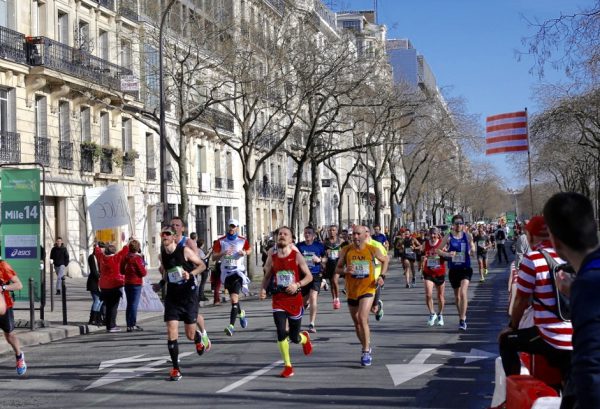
[{"x": 20, "y": 215}]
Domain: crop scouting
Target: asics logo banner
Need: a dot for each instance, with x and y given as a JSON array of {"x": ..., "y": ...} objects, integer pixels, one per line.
[{"x": 21, "y": 252}]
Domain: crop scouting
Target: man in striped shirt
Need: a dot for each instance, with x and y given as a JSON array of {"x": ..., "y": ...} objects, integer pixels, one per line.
[{"x": 549, "y": 336}]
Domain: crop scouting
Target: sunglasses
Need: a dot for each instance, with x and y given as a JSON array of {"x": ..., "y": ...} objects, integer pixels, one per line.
[
  {"x": 458, "y": 223},
  {"x": 166, "y": 234}
]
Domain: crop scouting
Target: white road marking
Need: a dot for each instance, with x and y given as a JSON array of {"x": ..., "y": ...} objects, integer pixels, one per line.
[{"x": 250, "y": 377}]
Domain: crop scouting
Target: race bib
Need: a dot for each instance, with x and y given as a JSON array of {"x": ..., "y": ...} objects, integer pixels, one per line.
[
  {"x": 481, "y": 244},
  {"x": 361, "y": 269},
  {"x": 334, "y": 254},
  {"x": 459, "y": 258},
  {"x": 175, "y": 275},
  {"x": 309, "y": 260},
  {"x": 433, "y": 262},
  {"x": 229, "y": 261},
  {"x": 408, "y": 250},
  {"x": 285, "y": 278}
]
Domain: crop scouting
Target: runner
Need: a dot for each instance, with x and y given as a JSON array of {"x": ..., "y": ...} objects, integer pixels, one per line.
[
  {"x": 380, "y": 237},
  {"x": 231, "y": 250},
  {"x": 377, "y": 307},
  {"x": 333, "y": 245},
  {"x": 409, "y": 244},
  {"x": 434, "y": 274},
  {"x": 483, "y": 244},
  {"x": 290, "y": 273},
  {"x": 315, "y": 255},
  {"x": 10, "y": 282},
  {"x": 178, "y": 227},
  {"x": 180, "y": 267},
  {"x": 356, "y": 262},
  {"x": 459, "y": 246}
]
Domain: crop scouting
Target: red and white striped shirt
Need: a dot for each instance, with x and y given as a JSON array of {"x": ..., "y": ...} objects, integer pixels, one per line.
[{"x": 534, "y": 278}]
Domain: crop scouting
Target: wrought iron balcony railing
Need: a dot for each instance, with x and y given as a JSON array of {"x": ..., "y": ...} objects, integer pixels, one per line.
[
  {"x": 42, "y": 150},
  {"x": 10, "y": 147},
  {"x": 128, "y": 166},
  {"x": 219, "y": 183},
  {"x": 106, "y": 161},
  {"x": 269, "y": 190},
  {"x": 169, "y": 175},
  {"x": 43, "y": 51},
  {"x": 65, "y": 155},
  {"x": 218, "y": 119},
  {"x": 127, "y": 12},
  {"x": 12, "y": 45},
  {"x": 151, "y": 173},
  {"x": 230, "y": 184}
]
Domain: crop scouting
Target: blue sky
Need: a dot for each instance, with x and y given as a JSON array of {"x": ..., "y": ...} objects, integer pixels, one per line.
[{"x": 470, "y": 46}]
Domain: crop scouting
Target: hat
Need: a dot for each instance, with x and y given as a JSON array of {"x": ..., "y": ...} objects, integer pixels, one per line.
[
  {"x": 537, "y": 226},
  {"x": 234, "y": 222}
]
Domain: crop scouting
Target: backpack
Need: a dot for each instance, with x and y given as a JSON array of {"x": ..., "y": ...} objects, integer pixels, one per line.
[
  {"x": 563, "y": 303},
  {"x": 501, "y": 234}
]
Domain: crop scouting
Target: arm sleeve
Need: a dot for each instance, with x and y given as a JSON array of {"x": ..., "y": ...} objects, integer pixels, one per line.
[{"x": 246, "y": 245}]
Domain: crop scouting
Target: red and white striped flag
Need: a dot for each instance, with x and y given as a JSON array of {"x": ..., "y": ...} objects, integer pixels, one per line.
[{"x": 506, "y": 133}]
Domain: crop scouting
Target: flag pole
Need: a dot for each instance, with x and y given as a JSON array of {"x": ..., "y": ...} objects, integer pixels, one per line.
[{"x": 529, "y": 163}]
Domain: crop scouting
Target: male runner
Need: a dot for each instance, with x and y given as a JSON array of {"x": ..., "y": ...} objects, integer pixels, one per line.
[
  {"x": 180, "y": 267},
  {"x": 483, "y": 244},
  {"x": 231, "y": 250},
  {"x": 10, "y": 282},
  {"x": 315, "y": 256},
  {"x": 434, "y": 274},
  {"x": 460, "y": 247},
  {"x": 356, "y": 262},
  {"x": 377, "y": 307},
  {"x": 287, "y": 272},
  {"x": 333, "y": 245}
]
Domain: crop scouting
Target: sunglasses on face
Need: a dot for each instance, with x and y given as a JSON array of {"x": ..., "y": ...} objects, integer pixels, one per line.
[
  {"x": 458, "y": 223},
  {"x": 166, "y": 234}
]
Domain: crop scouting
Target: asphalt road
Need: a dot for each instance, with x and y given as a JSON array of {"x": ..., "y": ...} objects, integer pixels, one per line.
[{"x": 414, "y": 366}]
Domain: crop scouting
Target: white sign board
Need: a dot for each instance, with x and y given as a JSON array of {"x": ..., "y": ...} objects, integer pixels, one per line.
[
  {"x": 107, "y": 207},
  {"x": 129, "y": 83}
]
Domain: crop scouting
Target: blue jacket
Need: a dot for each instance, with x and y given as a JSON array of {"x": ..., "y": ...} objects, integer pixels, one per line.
[{"x": 585, "y": 316}]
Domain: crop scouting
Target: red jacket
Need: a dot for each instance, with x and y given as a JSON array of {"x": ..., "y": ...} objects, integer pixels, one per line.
[
  {"x": 132, "y": 266},
  {"x": 110, "y": 268}
]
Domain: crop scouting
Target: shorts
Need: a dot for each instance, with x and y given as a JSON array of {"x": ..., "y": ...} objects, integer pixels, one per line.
[
  {"x": 233, "y": 284},
  {"x": 314, "y": 285},
  {"x": 437, "y": 280},
  {"x": 7, "y": 321},
  {"x": 355, "y": 302},
  {"x": 329, "y": 270},
  {"x": 481, "y": 255},
  {"x": 185, "y": 310},
  {"x": 410, "y": 258},
  {"x": 456, "y": 275}
]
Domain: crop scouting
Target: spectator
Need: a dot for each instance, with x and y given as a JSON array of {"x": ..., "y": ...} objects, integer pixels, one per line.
[
  {"x": 549, "y": 336},
  {"x": 380, "y": 237},
  {"x": 60, "y": 258},
  {"x": 111, "y": 281},
  {"x": 500, "y": 236},
  {"x": 133, "y": 267},
  {"x": 205, "y": 258},
  {"x": 573, "y": 231},
  {"x": 92, "y": 287},
  {"x": 521, "y": 246}
]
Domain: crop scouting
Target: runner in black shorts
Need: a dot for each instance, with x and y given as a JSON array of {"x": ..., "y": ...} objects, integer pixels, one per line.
[
  {"x": 434, "y": 274},
  {"x": 482, "y": 242},
  {"x": 179, "y": 265},
  {"x": 333, "y": 244}
]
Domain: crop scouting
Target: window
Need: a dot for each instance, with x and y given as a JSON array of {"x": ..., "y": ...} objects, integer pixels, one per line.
[
  {"x": 64, "y": 126},
  {"x": 84, "y": 124},
  {"x": 38, "y": 18},
  {"x": 7, "y": 110},
  {"x": 200, "y": 159},
  {"x": 63, "y": 28},
  {"x": 150, "y": 150},
  {"x": 217, "y": 163},
  {"x": 103, "y": 44},
  {"x": 83, "y": 36},
  {"x": 104, "y": 129},
  {"x": 352, "y": 24},
  {"x": 126, "y": 54},
  {"x": 127, "y": 144},
  {"x": 7, "y": 13},
  {"x": 151, "y": 76},
  {"x": 220, "y": 221},
  {"x": 41, "y": 115},
  {"x": 229, "y": 164}
]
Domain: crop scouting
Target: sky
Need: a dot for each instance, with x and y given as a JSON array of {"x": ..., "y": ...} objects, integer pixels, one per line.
[{"x": 470, "y": 47}]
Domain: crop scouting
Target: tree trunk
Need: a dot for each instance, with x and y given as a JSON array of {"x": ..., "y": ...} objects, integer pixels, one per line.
[
  {"x": 377, "y": 205},
  {"x": 296, "y": 199},
  {"x": 183, "y": 177},
  {"x": 315, "y": 189},
  {"x": 393, "y": 211},
  {"x": 340, "y": 207},
  {"x": 249, "y": 203}
]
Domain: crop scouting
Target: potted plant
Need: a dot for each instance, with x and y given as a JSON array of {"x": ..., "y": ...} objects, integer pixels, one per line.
[{"x": 92, "y": 148}]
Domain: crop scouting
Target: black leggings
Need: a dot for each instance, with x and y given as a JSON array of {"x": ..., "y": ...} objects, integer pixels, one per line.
[
  {"x": 280, "y": 318},
  {"x": 111, "y": 301}
]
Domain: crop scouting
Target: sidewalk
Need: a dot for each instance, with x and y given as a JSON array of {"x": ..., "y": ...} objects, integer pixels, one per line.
[{"x": 79, "y": 302}]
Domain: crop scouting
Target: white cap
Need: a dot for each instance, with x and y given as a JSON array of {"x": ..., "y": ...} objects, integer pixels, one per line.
[{"x": 234, "y": 222}]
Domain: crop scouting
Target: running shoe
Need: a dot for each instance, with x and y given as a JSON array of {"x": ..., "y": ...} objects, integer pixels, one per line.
[
  {"x": 432, "y": 319},
  {"x": 482, "y": 280},
  {"x": 206, "y": 342},
  {"x": 485, "y": 271},
  {"x": 366, "y": 359},
  {"x": 326, "y": 287},
  {"x": 21, "y": 365},
  {"x": 407, "y": 285},
  {"x": 243, "y": 319},
  {"x": 337, "y": 304},
  {"x": 229, "y": 330},
  {"x": 199, "y": 344},
  {"x": 379, "y": 313},
  {"x": 344, "y": 291},
  {"x": 311, "y": 328},
  {"x": 287, "y": 372},
  {"x": 114, "y": 329},
  {"x": 462, "y": 325},
  {"x": 307, "y": 346},
  {"x": 175, "y": 375},
  {"x": 440, "y": 320}
]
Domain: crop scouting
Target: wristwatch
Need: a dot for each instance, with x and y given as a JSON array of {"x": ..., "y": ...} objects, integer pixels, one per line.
[{"x": 3, "y": 287}]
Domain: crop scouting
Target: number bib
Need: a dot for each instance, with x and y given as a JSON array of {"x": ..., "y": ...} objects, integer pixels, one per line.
[
  {"x": 334, "y": 254},
  {"x": 459, "y": 258},
  {"x": 361, "y": 269},
  {"x": 229, "y": 261},
  {"x": 433, "y": 262},
  {"x": 481, "y": 244},
  {"x": 175, "y": 275},
  {"x": 309, "y": 260},
  {"x": 408, "y": 251},
  {"x": 285, "y": 278}
]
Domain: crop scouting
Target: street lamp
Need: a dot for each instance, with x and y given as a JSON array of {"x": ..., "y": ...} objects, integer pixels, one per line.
[{"x": 163, "y": 132}]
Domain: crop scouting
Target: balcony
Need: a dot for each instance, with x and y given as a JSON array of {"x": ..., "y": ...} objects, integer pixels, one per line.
[
  {"x": 268, "y": 190},
  {"x": 109, "y": 4},
  {"x": 42, "y": 150},
  {"x": 230, "y": 184},
  {"x": 219, "y": 183},
  {"x": 10, "y": 147},
  {"x": 65, "y": 155},
  {"x": 12, "y": 46},
  {"x": 217, "y": 119},
  {"x": 106, "y": 161},
  {"x": 277, "y": 5},
  {"x": 128, "y": 166},
  {"x": 43, "y": 51},
  {"x": 128, "y": 13},
  {"x": 151, "y": 173}
]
